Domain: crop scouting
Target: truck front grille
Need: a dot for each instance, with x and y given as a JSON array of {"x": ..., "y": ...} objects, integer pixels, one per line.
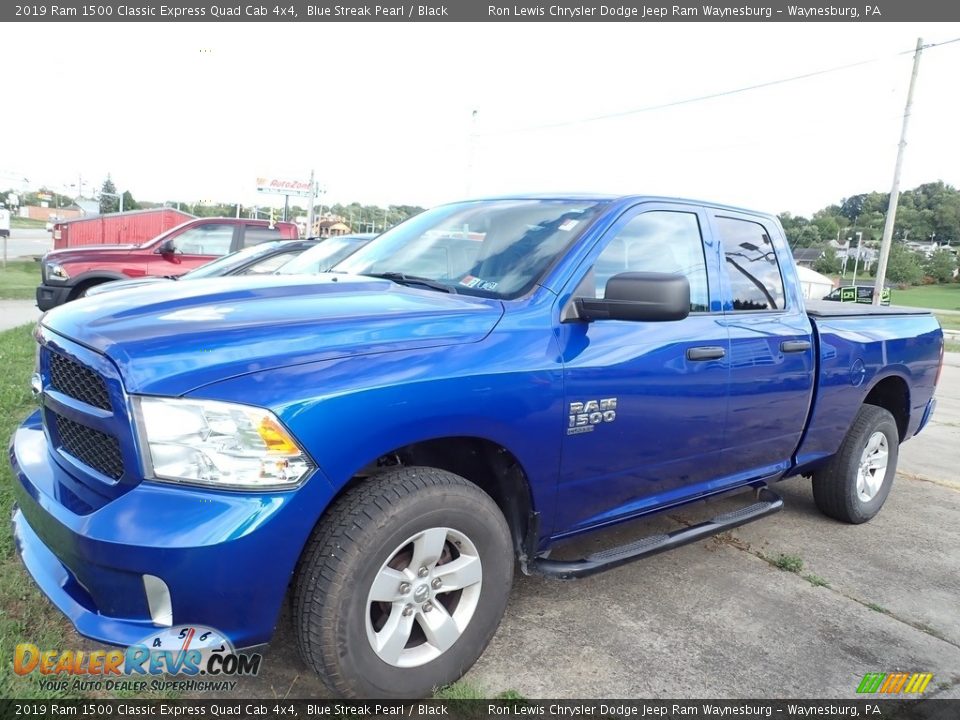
[
  {"x": 91, "y": 447},
  {"x": 81, "y": 383}
]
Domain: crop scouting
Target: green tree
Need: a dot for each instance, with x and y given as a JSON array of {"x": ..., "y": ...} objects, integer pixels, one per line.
[
  {"x": 903, "y": 265},
  {"x": 941, "y": 265},
  {"x": 827, "y": 225},
  {"x": 809, "y": 236},
  {"x": 828, "y": 263},
  {"x": 108, "y": 203},
  {"x": 128, "y": 202}
]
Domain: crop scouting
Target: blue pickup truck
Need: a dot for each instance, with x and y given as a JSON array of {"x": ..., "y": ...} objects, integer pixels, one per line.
[{"x": 376, "y": 448}]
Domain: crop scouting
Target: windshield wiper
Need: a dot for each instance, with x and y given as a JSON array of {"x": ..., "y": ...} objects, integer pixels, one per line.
[{"x": 404, "y": 279}]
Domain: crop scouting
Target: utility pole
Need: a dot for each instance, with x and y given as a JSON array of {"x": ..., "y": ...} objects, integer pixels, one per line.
[
  {"x": 472, "y": 151},
  {"x": 895, "y": 189},
  {"x": 857, "y": 261},
  {"x": 313, "y": 199}
]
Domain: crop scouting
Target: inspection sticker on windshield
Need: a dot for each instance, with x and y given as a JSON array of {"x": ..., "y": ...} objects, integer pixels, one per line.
[
  {"x": 568, "y": 225},
  {"x": 474, "y": 282}
]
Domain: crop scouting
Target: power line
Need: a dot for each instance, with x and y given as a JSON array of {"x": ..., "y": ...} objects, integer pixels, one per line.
[{"x": 711, "y": 96}]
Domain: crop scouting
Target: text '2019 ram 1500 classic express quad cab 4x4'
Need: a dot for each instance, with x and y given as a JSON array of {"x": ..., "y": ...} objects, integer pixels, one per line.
[{"x": 378, "y": 445}]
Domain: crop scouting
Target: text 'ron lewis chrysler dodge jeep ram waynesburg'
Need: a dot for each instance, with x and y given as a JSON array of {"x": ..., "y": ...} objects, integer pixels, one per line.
[{"x": 379, "y": 445}]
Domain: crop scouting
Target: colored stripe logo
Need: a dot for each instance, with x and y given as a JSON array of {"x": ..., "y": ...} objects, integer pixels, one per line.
[{"x": 894, "y": 683}]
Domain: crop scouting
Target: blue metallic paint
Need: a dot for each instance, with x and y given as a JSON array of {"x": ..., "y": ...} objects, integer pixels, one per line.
[{"x": 356, "y": 368}]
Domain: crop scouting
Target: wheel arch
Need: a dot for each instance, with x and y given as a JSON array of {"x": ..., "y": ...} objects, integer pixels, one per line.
[
  {"x": 89, "y": 279},
  {"x": 892, "y": 393},
  {"x": 492, "y": 467}
]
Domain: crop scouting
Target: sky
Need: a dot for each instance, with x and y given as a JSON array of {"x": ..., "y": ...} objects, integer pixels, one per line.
[{"x": 427, "y": 113}]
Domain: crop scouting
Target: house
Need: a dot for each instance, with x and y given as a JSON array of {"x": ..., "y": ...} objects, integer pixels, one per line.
[
  {"x": 330, "y": 227},
  {"x": 89, "y": 207},
  {"x": 807, "y": 257}
]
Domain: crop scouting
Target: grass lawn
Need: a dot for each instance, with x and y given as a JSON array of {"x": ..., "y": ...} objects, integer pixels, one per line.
[
  {"x": 949, "y": 322},
  {"x": 20, "y": 222},
  {"x": 19, "y": 281},
  {"x": 25, "y": 615},
  {"x": 938, "y": 297}
]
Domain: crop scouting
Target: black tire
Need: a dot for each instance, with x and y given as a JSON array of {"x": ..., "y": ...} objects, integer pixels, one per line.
[
  {"x": 82, "y": 290},
  {"x": 348, "y": 550},
  {"x": 835, "y": 484}
]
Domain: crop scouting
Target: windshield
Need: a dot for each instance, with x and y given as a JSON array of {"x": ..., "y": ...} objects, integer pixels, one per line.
[
  {"x": 491, "y": 248},
  {"x": 227, "y": 263},
  {"x": 322, "y": 257}
]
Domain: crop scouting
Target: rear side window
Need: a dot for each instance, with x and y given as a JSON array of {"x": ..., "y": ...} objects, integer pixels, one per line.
[
  {"x": 657, "y": 241},
  {"x": 751, "y": 262},
  {"x": 205, "y": 239},
  {"x": 256, "y": 234},
  {"x": 268, "y": 265}
]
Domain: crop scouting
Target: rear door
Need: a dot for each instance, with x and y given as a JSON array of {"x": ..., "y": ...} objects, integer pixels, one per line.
[
  {"x": 645, "y": 402},
  {"x": 256, "y": 234},
  {"x": 771, "y": 348}
]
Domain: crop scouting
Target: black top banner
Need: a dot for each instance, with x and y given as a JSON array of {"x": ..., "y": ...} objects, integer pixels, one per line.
[{"x": 478, "y": 11}]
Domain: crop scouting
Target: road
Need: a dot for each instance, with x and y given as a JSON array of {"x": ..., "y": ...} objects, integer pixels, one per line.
[{"x": 28, "y": 243}]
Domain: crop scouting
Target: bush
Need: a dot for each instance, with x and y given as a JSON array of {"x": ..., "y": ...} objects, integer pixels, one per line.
[
  {"x": 903, "y": 266},
  {"x": 941, "y": 265}
]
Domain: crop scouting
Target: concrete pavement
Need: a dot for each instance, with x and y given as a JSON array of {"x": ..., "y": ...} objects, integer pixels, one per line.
[
  {"x": 17, "y": 312},
  {"x": 29, "y": 242}
]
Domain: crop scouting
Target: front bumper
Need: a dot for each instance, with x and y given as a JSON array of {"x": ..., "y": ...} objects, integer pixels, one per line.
[
  {"x": 49, "y": 296},
  {"x": 226, "y": 557}
]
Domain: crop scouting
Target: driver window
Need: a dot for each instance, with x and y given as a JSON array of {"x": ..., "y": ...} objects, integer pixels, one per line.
[
  {"x": 657, "y": 241},
  {"x": 213, "y": 239}
]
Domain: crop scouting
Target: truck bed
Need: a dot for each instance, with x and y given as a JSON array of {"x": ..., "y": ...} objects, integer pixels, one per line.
[
  {"x": 859, "y": 347},
  {"x": 825, "y": 308}
]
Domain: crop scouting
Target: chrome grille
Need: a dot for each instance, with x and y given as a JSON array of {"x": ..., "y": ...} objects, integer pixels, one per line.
[
  {"x": 73, "y": 379},
  {"x": 91, "y": 447}
]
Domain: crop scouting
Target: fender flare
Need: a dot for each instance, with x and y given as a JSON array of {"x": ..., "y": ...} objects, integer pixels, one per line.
[{"x": 101, "y": 276}]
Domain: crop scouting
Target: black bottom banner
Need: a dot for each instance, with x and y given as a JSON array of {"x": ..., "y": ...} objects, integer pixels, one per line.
[{"x": 924, "y": 709}]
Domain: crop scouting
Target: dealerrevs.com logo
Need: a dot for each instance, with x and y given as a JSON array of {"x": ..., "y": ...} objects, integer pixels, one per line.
[{"x": 184, "y": 650}]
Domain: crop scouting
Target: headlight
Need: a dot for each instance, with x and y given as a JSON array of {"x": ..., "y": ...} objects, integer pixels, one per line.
[
  {"x": 55, "y": 271},
  {"x": 220, "y": 444}
]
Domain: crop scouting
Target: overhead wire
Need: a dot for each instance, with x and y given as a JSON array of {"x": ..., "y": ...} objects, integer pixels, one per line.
[{"x": 709, "y": 96}]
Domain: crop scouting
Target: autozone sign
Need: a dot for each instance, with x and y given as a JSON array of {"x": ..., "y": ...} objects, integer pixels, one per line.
[{"x": 278, "y": 186}]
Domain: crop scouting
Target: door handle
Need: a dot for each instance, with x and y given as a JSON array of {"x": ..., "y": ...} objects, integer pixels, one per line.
[
  {"x": 794, "y": 346},
  {"x": 705, "y": 353}
]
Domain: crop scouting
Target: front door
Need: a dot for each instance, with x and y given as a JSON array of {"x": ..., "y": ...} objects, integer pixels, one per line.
[
  {"x": 194, "y": 247},
  {"x": 645, "y": 401}
]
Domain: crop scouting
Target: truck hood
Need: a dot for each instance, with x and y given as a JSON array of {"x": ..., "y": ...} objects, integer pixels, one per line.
[
  {"x": 171, "y": 338},
  {"x": 91, "y": 252},
  {"x": 114, "y": 285}
]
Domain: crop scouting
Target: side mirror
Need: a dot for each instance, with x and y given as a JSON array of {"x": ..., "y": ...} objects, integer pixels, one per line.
[{"x": 646, "y": 296}]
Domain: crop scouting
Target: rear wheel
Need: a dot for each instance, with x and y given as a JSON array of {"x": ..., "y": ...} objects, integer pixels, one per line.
[
  {"x": 403, "y": 584},
  {"x": 853, "y": 486}
]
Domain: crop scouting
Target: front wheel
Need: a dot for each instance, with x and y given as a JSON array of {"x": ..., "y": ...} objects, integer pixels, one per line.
[
  {"x": 403, "y": 584},
  {"x": 853, "y": 486}
]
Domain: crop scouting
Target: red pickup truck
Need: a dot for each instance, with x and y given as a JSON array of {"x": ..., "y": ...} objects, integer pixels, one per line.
[{"x": 68, "y": 274}]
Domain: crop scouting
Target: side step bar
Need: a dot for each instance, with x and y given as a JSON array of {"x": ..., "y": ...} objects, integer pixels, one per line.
[{"x": 768, "y": 503}]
